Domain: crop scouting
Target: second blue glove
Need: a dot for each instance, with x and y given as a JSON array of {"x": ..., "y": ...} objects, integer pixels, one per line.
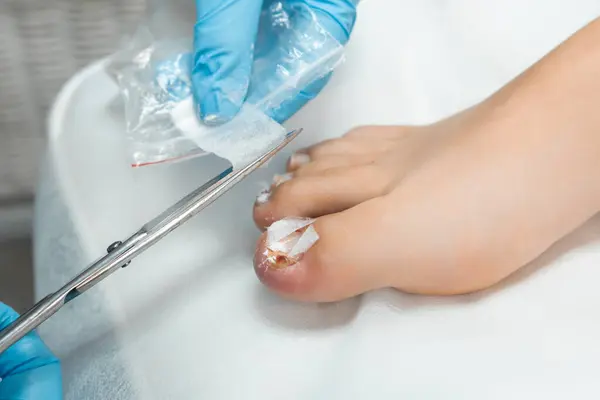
[{"x": 28, "y": 369}]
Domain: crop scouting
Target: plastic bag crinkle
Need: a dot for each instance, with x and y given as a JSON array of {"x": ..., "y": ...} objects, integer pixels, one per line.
[{"x": 152, "y": 71}]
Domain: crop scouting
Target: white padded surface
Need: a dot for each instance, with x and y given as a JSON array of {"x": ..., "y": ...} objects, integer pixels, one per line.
[{"x": 189, "y": 319}]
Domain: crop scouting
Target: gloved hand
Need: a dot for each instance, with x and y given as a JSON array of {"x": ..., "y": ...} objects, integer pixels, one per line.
[
  {"x": 29, "y": 371},
  {"x": 224, "y": 38}
]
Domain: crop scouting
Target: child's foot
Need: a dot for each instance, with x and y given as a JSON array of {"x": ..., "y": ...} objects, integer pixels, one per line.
[{"x": 444, "y": 209}]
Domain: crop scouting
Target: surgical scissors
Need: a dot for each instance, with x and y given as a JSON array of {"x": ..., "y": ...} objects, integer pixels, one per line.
[{"x": 119, "y": 254}]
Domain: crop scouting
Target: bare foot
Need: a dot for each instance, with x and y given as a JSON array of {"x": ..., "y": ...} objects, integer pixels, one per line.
[{"x": 443, "y": 209}]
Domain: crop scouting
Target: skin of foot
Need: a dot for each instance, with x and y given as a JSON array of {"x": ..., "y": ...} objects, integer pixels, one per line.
[{"x": 449, "y": 208}]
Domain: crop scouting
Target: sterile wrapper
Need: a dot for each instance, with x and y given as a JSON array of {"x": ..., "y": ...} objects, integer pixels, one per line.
[{"x": 153, "y": 70}]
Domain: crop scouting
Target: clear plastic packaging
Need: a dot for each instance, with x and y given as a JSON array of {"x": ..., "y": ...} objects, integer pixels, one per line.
[{"x": 153, "y": 74}]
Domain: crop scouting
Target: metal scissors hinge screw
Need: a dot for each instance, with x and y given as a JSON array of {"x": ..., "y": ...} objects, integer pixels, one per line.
[{"x": 113, "y": 247}]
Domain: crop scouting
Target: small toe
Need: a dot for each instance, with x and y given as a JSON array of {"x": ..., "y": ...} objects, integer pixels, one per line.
[
  {"x": 324, "y": 165},
  {"x": 347, "y": 146},
  {"x": 318, "y": 195}
]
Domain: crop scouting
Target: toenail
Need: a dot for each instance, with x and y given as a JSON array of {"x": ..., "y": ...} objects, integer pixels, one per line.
[
  {"x": 280, "y": 179},
  {"x": 263, "y": 197},
  {"x": 298, "y": 160},
  {"x": 287, "y": 241}
]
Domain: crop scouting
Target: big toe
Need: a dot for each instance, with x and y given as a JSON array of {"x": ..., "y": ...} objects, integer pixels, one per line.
[{"x": 326, "y": 259}]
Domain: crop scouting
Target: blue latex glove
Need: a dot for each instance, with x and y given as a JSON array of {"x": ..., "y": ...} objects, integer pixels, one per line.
[
  {"x": 29, "y": 371},
  {"x": 224, "y": 36}
]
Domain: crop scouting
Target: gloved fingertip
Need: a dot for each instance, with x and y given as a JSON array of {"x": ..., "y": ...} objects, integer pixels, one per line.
[
  {"x": 7, "y": 315},
  {"x": 281, "y": 114},
  {"x": 215, "y": 109},
  {"x": 290, "y": 107}
]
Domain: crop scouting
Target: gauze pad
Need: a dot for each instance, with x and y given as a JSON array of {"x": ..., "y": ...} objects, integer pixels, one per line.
[
  {"x": 241, "y": 140},
  {"x": 287, "y": 241}
]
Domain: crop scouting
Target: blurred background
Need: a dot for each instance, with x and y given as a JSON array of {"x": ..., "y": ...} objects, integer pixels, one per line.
[{"x": 42, "y": 44}]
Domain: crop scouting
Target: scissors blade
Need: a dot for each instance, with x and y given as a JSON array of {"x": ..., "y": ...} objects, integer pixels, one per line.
[
  {"x": 136, "y": 244},
  {"x": 202, "y": 197}
]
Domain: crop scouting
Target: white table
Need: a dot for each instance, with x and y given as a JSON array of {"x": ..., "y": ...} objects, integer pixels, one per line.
[{"x": 189, "y": 320}]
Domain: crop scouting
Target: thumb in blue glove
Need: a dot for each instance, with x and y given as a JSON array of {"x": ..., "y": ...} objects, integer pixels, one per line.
[
  {"x": 224, "y": 39},
  {"x": 28, "y": 369}
]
